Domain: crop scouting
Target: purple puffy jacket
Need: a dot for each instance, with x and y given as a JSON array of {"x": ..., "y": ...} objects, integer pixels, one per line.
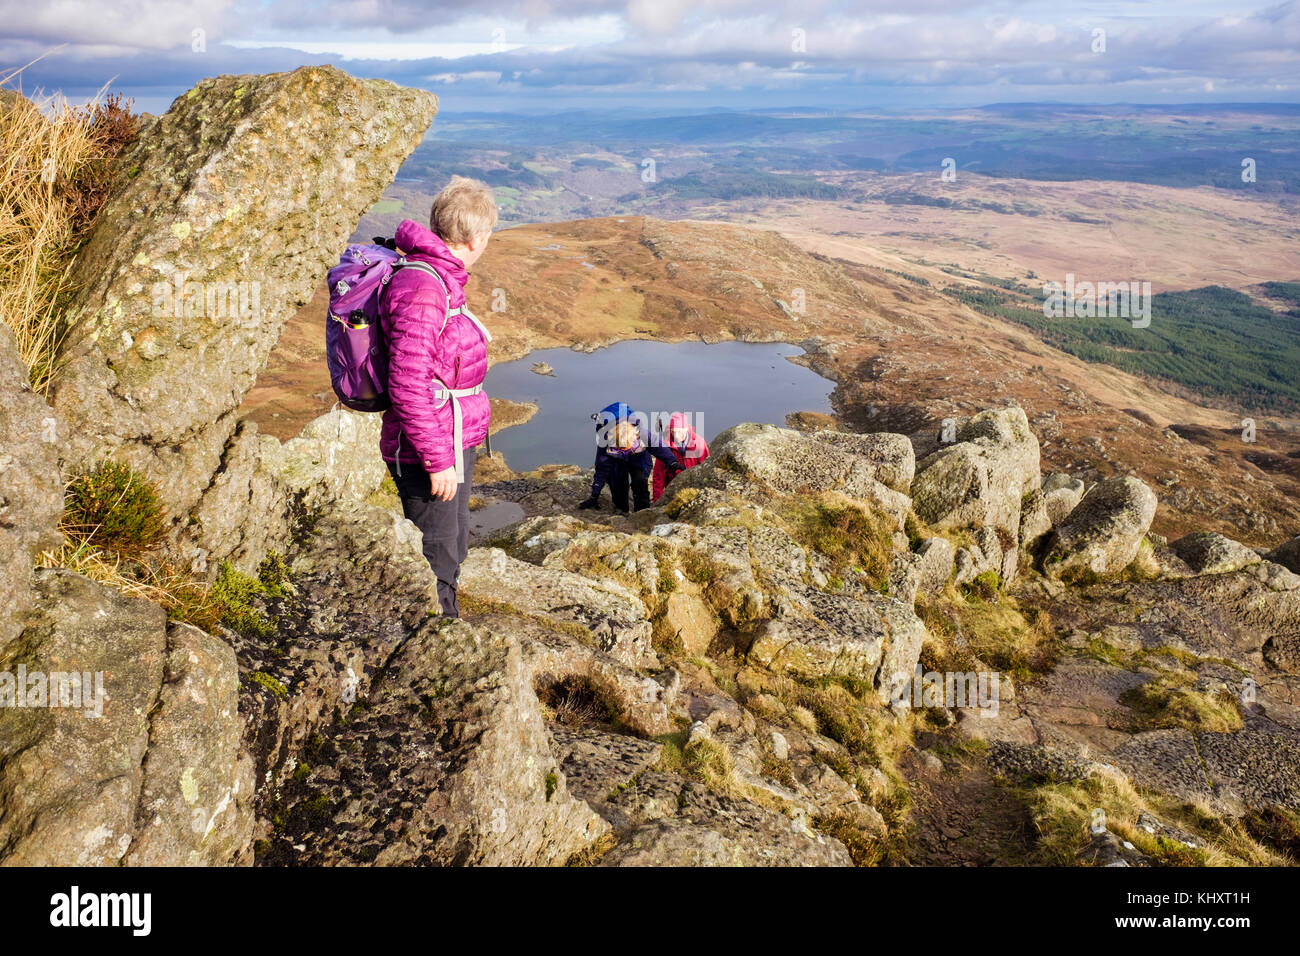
[{"x": 418, "y": 429}]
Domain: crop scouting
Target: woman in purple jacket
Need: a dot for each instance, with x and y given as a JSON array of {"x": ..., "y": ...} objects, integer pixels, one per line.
[{"x": 437, "y": 358}]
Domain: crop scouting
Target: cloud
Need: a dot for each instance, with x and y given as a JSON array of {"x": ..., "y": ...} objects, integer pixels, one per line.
[
  {"x": 123, "y": 24},
  {"x": 944, "y": 49}
]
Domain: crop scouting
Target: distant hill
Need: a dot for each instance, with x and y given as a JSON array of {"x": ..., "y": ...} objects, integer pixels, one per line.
[{"x": 579, "y": 151}]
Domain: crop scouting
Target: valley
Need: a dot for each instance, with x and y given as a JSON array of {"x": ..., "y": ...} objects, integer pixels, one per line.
[{"x": 904, "y": 355}]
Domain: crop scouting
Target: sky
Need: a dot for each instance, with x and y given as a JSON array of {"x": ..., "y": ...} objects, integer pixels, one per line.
[{"x": 510, "y": 55}]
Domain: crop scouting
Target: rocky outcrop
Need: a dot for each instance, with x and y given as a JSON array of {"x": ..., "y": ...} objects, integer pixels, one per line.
[
  {"x": 982, "y": 479},
  {"x": 1287, "y": 555},
  {"x": 783, "y": 461},
  {"x": 364, "y": 704},
  {"x": 266, "y": 488},
  {"x": 31, "y": 494},
  {"x": 361, "y": 587},
  {"x": 1045, "y": 509},
  {"x": 141, "y": 762},
  {"x": 449, "y": 762},
  {"x": 613, "y": 614},
  {"x": 1103, "y": 534},
  {"x": 216, "y": 231},
  {"x": 714, "y": 681},
  {"x": 1207, "y": 552}
]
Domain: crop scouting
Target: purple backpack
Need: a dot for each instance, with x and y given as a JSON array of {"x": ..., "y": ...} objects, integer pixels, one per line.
[{"x": 354, "y": 340}]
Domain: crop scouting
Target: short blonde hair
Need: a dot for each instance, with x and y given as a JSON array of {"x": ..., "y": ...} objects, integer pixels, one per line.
[
  {"x": 626, "y": 435},
  {"x": 464, "y": 209}
]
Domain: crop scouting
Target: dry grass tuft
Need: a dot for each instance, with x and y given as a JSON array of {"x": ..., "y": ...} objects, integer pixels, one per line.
[
  {"x": 1063, "y": 812},
  {"x": 55, "y": 172}
]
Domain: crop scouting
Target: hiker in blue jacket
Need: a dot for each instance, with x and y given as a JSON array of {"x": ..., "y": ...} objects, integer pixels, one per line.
[{"x": 625, "y": 453}]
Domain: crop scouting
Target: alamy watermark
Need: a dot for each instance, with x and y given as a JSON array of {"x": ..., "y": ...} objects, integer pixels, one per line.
[
  {"x": 185, "y": 298},
  {"x": 652, "y": 427},
  {"x": 67, "y": 690},
  {"x": 131, "y": 911},
  {"x": 969, "y": 690},
  {"x": 1085, "y": 300}
]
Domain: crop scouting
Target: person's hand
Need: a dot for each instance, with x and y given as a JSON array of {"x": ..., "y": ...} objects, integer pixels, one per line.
[
  {"x": 443, "y": 484},
  {"x": 589, "y": 503}
]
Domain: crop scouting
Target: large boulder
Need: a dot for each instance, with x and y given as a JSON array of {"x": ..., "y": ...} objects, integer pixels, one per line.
[
  {"x": 449, "y": 762},
  {"x": 784, "y": 461},
  {"x": 264, "y": 487},
  {"x": 1287, "y": 554},
  {"x": 141, "y": 761},
  {"x": 1208, "y": 552},
  {"x": 891, "y": 457},
  {"x": 871, "y": 638},
  {"x": 984, "y": 477},
  {"x": 1103, "y": 534},
  {"x": 225, "y": 214},
  {"x": 612, "y": 612},
  {"x": 31, "y": 494}
]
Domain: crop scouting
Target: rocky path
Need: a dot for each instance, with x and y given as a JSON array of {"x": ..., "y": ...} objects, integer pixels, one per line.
[{"x": 960, "y": 815}]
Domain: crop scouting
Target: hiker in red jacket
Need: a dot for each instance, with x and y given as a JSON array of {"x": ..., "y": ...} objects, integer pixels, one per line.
[
  {"x": 688, "y": 447},
  {"x": 437, "y": 358}
]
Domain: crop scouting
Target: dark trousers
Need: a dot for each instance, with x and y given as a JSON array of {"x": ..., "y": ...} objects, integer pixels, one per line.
[
  {"x": 623, "y": 476},
  {"x": 444, "y": 524}
]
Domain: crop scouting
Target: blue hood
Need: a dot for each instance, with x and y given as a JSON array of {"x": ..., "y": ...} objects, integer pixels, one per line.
[{"x": 615, "y": 411}]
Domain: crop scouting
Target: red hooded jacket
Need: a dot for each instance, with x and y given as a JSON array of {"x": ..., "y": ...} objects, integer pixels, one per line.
[{"x": 689, "y": 453}]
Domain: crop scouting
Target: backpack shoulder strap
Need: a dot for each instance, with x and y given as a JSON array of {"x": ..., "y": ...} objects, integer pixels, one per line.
[{"x": 425, "y": 267}]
